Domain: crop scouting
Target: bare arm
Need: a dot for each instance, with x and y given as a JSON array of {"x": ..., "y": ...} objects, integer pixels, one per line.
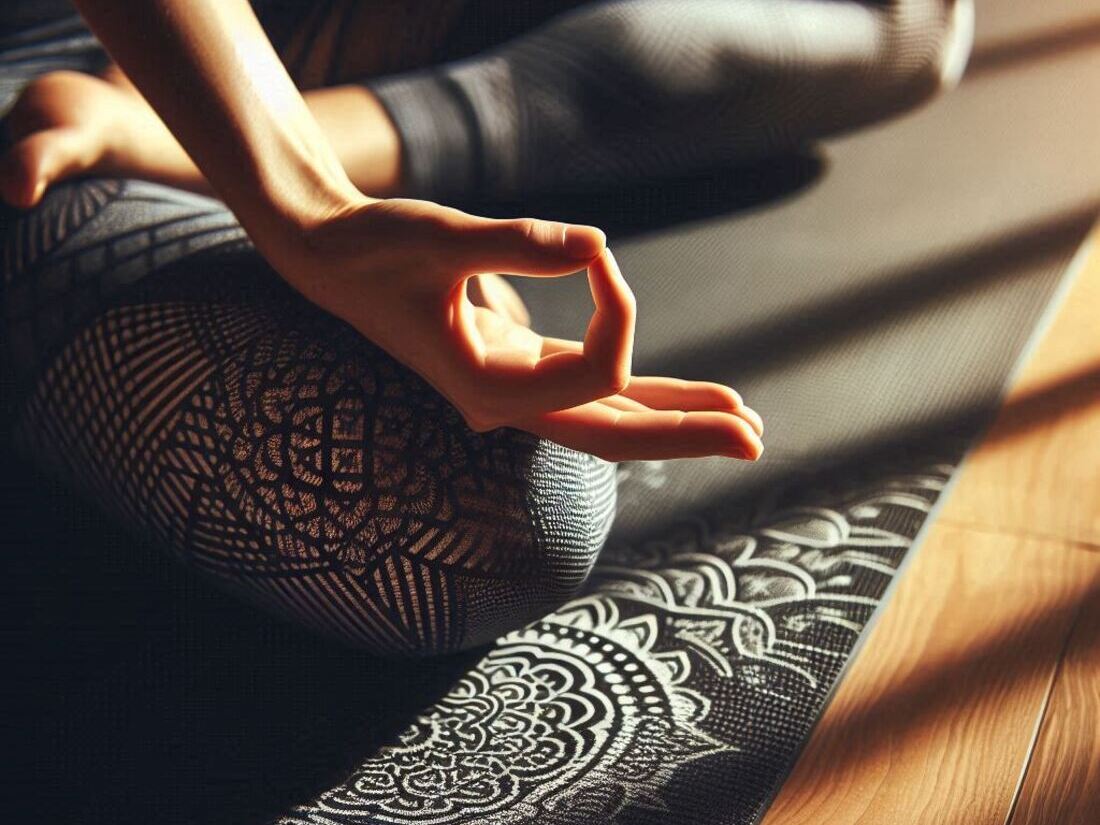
[
  {"x": 211, "y": 74},
  {"x": 135, "y": 143}
]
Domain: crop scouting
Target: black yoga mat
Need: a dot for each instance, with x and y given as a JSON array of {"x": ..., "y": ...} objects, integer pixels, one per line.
[
  {"x": 873, "y": 317},
  {"x": 870, "y": 300}
]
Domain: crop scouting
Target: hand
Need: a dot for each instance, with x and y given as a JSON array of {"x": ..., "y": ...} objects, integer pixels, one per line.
[
  {"x": 408, "y": 274},
  {"x": 397, "y": 270}
]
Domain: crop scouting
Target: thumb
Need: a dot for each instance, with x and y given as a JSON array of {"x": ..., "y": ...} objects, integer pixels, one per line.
[{"x": 524, "y": 246}]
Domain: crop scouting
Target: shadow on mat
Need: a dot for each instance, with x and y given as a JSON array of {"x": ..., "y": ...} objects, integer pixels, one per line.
[
  {"x": 664, "y": 204},
  {"x": 762, "y": 348}
]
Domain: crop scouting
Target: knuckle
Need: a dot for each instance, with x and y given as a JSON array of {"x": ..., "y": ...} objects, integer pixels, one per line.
[
  {"x": 628, "y": 304},
  {"x": 527, "y": 229},
  {"x": 615, "y": 378},
  {"x": 623, "y": 306},
  {"x": 729, "y": 397}
]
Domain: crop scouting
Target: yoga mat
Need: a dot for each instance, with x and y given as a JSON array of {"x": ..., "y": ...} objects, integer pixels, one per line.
[
  {"x": 872, "y": 311},
  {"x": 873, "y": 318}
]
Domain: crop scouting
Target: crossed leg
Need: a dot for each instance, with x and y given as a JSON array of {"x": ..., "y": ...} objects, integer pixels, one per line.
[{"x": 218, "y": 413}]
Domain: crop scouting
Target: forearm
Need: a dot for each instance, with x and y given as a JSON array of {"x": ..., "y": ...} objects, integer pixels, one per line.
[
  {"x": 210, "y": 73},
  {"x": 356, "y": 125}
]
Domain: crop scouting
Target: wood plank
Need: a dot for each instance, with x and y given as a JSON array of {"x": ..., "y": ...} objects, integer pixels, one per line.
[
  {"x": 1062, "y": 783},
  {"x": 1037, "y": 471},
  {"x": 935, "y": 720}
]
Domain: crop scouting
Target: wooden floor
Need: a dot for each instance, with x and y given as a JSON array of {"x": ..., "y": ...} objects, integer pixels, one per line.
[{"x": 977, "y": 696}]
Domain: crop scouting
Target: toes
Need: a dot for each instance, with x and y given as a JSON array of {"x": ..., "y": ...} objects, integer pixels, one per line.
[
  {"x": 19, "y": 177},
  {"x": 35, "y": 162}
]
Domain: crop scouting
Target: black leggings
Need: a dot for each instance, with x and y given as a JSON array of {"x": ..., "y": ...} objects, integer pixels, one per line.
[{"x": 167, "y": 372}]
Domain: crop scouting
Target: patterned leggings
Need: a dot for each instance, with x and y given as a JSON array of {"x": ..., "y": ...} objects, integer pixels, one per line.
[
  {"x": 164, "y": 370},
  {"x": 267, "y": 443}
]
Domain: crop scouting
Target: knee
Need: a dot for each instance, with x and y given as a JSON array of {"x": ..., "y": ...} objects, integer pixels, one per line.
[
  {"x": 933, "y": 39},
  {"x": 530, "y": 558},
  {"x": 504, "y": 556},
  {"x": 348, "y": 468},
  {"x": 570, "y": 500}
]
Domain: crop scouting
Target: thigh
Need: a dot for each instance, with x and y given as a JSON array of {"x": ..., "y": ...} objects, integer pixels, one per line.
[
  {"x": 336, "y": 41},
  {"x": 344, "y": 41},
  {"x": 219, "y": 414}
]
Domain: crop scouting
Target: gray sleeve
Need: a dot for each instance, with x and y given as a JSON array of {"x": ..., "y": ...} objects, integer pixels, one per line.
[{"x": 630, "y": 89}]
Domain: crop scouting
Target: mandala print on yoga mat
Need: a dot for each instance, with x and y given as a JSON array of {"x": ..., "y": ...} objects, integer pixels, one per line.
[{"x": 720, "y": 640}]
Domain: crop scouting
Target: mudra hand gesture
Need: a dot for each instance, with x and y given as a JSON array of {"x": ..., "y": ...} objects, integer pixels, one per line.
[{"x": 398, "y": 271}]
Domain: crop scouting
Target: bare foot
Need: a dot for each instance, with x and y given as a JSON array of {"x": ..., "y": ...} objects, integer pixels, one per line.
[{"x": 67, "y": 124}]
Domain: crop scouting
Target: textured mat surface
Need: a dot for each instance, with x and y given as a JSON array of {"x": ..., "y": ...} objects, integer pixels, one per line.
[{"x": 872, "y": 314}]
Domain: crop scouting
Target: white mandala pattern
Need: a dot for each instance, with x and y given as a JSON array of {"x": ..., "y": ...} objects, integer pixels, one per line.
[{"x": 594, "y": 708}]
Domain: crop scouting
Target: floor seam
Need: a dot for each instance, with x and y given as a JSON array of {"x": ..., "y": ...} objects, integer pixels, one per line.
[
  {"x": 1087, "y": 545},
  {"x": 1055, "y": 671}
]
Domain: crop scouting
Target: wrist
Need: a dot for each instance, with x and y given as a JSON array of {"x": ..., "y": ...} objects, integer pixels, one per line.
[{"x": 292, "y": 205}]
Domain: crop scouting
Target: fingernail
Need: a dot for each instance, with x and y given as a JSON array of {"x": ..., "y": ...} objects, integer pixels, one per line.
[
  {"x": 753, "y": 450},
  {"x": 754, "y": 419},
  {"x": 583, "y": 242}
]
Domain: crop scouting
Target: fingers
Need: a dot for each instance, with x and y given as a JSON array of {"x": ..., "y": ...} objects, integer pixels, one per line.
[
  {"x": 609, "y": 340},
  {"x": 677, "y": 394},
  {"x": 523, "y": 246},
  {"x": 617, "y": 434},
  {"x": 508, "y": 383},
  {"x": 673, "y": 393}
]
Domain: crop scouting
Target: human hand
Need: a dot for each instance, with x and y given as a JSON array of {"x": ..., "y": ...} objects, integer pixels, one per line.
[{"x": 397, "y": 270}]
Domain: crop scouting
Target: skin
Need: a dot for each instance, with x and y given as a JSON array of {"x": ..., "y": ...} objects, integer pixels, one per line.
[
  {"x": 68, "y": 123},
  {"x": 396, "y": 269}
]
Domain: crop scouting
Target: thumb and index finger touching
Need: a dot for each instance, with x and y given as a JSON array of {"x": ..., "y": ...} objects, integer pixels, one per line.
[{"x": 562, "y": 379}]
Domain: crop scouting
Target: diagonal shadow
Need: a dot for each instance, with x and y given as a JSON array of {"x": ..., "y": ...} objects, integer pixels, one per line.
[
  {"x": 925, "y": 698},
  {"x": 1050, "y": 402},
  {"x": 648, "y": 205},
  {"x": 1053, "y": 42},
  {"x": 762, "y": 347}
]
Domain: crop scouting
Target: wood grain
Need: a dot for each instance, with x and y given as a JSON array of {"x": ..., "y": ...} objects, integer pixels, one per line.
[
  {"x": 936, "y": 718},
  {"x": 1037, "y": 471},
  {"x": 977, "y": 697},
  {"x": 1062, "y": 784}
]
